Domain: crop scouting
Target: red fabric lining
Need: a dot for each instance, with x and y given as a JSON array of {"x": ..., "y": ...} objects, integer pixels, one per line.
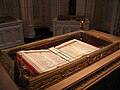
[{"x": 30, "y": 68}]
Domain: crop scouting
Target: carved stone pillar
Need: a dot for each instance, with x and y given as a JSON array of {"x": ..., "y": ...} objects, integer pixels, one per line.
[
  {"x": 115, "y": 17},
  {"x": 63, "y": 7},
  {"x": 80, "y": 7},
  {"x": 86, "y": 8},
  {"x": 2, "y": 9},
  {"x": 89, "y": 10},
  {"x": 55, "y": 10},
  {"x": 59, "y": 7},
  {"x": 27, "y": 17}
]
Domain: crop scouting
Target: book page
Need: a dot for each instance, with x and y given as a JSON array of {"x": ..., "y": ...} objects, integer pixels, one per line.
[
  {"x": 30, "y": 61},
  {"x": 60, "y": 53},
  {"x": 76, "y": 48},
  {"x": 43, "y": 60},
  {"x": 71, "y": 51},
  {"x": 83, "y": 47},
  {"x": 39, "y": 62},
  {"x": 55, "y": 59}
]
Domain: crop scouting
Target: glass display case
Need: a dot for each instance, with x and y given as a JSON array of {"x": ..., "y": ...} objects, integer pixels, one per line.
[{"x": 81, "y": 73}]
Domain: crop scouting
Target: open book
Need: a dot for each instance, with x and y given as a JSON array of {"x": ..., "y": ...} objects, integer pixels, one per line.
[
  {"x": 76, "y": 48},
  {"x": 48, "y": 59},
  {"x": 42, "y": 60}
]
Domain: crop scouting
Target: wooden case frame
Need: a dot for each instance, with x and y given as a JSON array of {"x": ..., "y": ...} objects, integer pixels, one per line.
[{"x": 74, "y": 75}]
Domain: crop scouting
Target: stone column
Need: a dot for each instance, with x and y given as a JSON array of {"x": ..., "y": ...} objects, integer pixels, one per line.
[
  {"x": 55, "y": 8},
  {"x": 54, "y": 11},
  {"x": 27, "y": 17},
  {"x": 86, "y": 8},
  {"x": 115, "y": 17},
  {"x": 89, "y": 10},
  {"x": 80, "y": 7},
  {"x": 64, "y": 7},
  {"x": 2, "y": 8}
]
